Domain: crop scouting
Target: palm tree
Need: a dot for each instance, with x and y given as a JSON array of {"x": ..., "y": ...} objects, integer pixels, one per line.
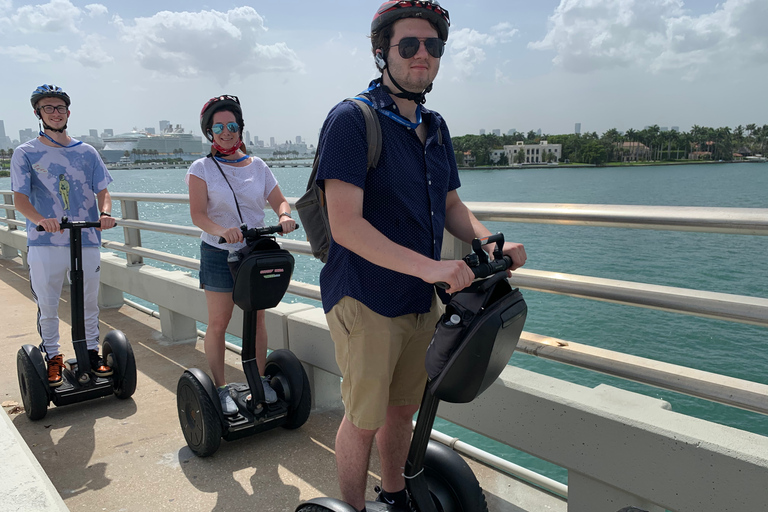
[
  {"x": 631, "y": 134},
  {"x": 610, "y": 139}
]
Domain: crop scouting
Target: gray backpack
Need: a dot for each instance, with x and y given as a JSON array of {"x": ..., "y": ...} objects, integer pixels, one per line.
[{"x": 312, "y": 208}]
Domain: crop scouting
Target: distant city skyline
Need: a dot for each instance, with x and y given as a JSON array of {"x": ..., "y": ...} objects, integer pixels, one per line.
[
  {"x": 545, "y": 64},
  {"x": 26, "y": 134},
  {"x": 30, "y": 133}
]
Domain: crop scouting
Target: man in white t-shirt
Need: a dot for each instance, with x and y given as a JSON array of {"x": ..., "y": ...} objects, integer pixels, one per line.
[{"x": 55, "y": 176}]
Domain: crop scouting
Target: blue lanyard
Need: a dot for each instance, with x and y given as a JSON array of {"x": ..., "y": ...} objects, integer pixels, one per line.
[
  {"x": 398, "y": 119},
  {"x": 224, "y": 161},
  {"x": 59, "y": 143}
]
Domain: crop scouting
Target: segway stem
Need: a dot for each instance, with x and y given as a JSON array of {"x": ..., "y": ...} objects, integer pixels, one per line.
[
  {"x": 415, "y": 480},
  {"x": 77, "y": 299},
  {"x": 248, "y": 354}
]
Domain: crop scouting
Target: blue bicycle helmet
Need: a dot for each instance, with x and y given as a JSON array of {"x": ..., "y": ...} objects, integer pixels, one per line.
[{"x": 48, "y": 91}]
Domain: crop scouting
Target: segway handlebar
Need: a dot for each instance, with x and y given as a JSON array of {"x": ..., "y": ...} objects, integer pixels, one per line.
[
  {"x": 257, "y": 232},
  {"x": 68, "y": 224},
  {"x": 478, "y": 260}
]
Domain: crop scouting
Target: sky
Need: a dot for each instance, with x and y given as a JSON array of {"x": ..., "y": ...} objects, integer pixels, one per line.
[{"x": 509, "y": 64}]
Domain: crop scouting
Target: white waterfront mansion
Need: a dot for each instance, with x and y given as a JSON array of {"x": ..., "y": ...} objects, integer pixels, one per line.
[{"x": 542, "y": 152}]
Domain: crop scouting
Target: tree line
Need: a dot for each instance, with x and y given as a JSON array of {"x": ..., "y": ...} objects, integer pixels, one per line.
[{"x": 650, "y": 144}]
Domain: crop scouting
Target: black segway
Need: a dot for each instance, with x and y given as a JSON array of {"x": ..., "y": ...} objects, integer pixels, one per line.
[
  {"x": 472, "y": 344},
  {"x": 79, "y": 384},
  {"x": 262, "y": 276}
]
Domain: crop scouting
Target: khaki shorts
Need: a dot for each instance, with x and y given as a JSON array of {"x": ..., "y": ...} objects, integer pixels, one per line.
[{"x": 381, "y": 359}]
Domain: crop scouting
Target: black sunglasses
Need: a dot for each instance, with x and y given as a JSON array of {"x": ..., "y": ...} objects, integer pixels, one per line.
[{"x": 409, "y": 46}]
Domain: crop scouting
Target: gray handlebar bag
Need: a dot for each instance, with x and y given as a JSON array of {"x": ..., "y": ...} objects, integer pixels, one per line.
[
  {"x": 463, "y": 359},
  {"x": 262, "y": 274}
]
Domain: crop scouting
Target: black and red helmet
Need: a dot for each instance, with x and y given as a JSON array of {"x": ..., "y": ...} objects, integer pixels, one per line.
[
  {"x": 393, "y": 10},
  {"x": 213, "y": 105},
  {"x": 48, "y": 91}
]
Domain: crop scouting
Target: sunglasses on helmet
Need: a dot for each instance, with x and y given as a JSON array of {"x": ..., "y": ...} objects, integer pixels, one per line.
[
  {"x": 232, "y": 127},
  {"x": 409, "y": 46}
]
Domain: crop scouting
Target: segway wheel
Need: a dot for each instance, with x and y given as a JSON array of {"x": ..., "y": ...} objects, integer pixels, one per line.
[
  {"x": 198, "y": 417},
  {"x": 118, "y": 354},
  {"x": 290, "y": 382},
  {"x": 451, "y": 482},
  {"x": 34, "y": 396},
  {"x": 325, "y": 505}
]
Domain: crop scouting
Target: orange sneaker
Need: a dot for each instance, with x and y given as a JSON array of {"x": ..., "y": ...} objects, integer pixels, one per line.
[
  {"x": 97, "y": 365},
  {"x": 55, "y": 364}
]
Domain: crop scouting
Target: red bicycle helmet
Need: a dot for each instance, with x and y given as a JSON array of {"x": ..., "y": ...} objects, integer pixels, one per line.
[
  {"x": 48, "y": 91},
  {"x": 393, "y": 10},
  {"x": 213, "y": 105}
]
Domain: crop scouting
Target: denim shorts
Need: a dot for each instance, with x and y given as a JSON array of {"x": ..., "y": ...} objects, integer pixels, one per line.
[{"x": 214, "y": 271}]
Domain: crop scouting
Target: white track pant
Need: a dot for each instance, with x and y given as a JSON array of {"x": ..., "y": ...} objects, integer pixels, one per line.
[{"x": 48, "y": 268}]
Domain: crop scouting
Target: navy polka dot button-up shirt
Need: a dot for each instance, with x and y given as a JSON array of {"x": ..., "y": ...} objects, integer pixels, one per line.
[{"x": 404, "y": 199}]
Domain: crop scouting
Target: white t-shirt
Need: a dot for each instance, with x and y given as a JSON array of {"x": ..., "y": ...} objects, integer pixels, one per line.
[{"x": 252, "y": 185}]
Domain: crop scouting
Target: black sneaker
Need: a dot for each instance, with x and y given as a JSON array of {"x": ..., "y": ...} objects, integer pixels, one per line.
[
  {"x": 400, "y": 500},
  {"x": 98, "y": 367}
]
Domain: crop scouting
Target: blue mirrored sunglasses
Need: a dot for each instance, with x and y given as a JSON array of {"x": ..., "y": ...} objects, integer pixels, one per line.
[{"x": 232, "y": 127}]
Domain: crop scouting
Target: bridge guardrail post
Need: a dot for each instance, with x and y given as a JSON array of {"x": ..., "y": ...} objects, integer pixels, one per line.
[
  {"x": 9, "y": 252},
  {"x": 130, "y": 210},
  {"x": 453, "y": 248}
]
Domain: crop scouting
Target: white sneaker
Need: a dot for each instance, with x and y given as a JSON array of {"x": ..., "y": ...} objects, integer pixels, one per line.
[
  {"x": 228, "y": 406},
  {"x": 269, "y": 394}
]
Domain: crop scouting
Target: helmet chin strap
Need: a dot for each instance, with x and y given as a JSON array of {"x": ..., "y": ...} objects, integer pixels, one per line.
[
  {"x": 46, "y": 127},
  {"x": 417, "y": 97}
]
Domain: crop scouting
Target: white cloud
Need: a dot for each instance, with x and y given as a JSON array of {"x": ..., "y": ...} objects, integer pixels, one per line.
[
  {"x": 656, "y": 35},
  {"x": 95, "y": 10},
  {"x": 55, "y": 16},
  {"x": 91, "y": 54},
  {"x": 467, "y": 59},
  {"x": 466, "y": 46},
  {"x": 25, "y": 54},
  {"x": 220, "y": 44},
  {"x": 504, "y": 32}
]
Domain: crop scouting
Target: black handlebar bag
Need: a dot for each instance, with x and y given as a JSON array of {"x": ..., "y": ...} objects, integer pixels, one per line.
[
  {"x": 465, "y": 357},
  {"x": 262, "y": 274}
]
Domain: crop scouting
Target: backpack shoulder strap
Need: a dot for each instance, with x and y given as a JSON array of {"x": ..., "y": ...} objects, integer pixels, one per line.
[{"x": 373, "y": 130}]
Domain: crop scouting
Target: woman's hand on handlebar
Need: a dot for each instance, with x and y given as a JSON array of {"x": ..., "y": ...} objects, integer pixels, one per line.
[
  {"x": 232, "y": 235},
  {"x": 288, "y": 224},
  {"x": 50, "y": 225}
]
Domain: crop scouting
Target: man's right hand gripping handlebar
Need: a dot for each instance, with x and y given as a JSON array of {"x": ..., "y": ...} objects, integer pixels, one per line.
[{"x": 507, "y": 257}]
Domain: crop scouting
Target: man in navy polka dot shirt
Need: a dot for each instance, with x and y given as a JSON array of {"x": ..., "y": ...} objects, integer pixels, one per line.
[{"x": 387, "y": 225}]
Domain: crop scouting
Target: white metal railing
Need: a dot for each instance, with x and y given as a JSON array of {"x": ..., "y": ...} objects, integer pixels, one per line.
[
  {"x": 736, "y": 392},
  {"x": 736, "y": 308}
]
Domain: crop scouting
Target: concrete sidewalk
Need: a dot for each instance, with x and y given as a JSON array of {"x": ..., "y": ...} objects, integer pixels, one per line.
[{"x": 130, "y": 455}]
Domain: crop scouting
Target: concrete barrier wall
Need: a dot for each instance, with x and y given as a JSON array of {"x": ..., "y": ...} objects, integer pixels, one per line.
[{"x": 613, "y": 440}]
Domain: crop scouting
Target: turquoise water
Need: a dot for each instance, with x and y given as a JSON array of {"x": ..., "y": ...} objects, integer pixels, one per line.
[{"x": 723, "y": 263}]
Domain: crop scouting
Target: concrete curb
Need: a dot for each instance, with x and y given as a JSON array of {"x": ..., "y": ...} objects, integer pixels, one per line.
[{"x": 23, "y": 483}]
